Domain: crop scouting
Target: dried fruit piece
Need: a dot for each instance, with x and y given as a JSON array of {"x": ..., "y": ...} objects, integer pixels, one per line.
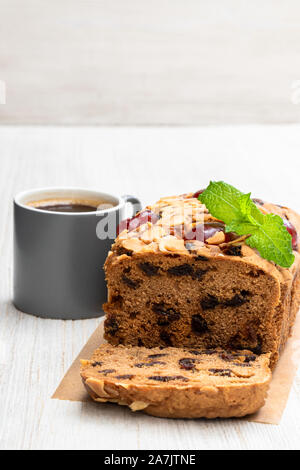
[
  {"x": 106, "y": 371},
  {"x": 156, "y": 356},
  {"x": 181, "y": 270},
  {"x": 195, "y": 352},
  {"x": 241, "y": 364},
  {"x": 209, "y": 302},
  {"x": 227, "y": 356},
  {"x": 111, "y": 325},
  {"x": 201, "y": 258},
  {"x": 203, "y": 232},
  {"x": 233, "y": 250},
  {"x": 168, "y": 314},
  {"x": 187, "y": 363},
  {"x": 133, "y": 314},
  {"x": 237, "y": 299},
  {"x": 168, "y": 378},
  {"x": 149, "y": 364},
  {"x": 199, "y": 324},
  {"x": 148, "y": 268},
  {"x": 96, "y": 363},
  {"x": 221, "y": 372},
  {"x": 258, "y": 348},
  {"x": 134, "y": 284},
  {"x": 198, "y": 273},
  {"x": 250, "y": 358},
  {"x": 196, "y": 194},
  {"x": 121, "y": 250},
  {"x": 125, "y": 376},
  {"x": 139, "y": 219},
  {"x": 164, "y": 336},
  {"x": 258, "y": 201},
  {"x": 293, "y": 232}
]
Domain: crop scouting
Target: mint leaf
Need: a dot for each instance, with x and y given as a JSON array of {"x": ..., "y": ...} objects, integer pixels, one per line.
[{"x": 239, "y": 213}]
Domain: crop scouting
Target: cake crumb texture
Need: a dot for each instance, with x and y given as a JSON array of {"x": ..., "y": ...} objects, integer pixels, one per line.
[{"x": 178, "y": 382}]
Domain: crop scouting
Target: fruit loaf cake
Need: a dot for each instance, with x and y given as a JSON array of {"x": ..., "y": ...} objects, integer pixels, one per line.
[
  {"x": 178, "y": 382},
  {"x": 176, "y": 278}
]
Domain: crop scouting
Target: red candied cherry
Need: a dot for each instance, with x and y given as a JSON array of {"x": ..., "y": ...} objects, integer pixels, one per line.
[
  {"x": 124, "y": 224},
  {"x": 195, "y": 233},
  {"x": 293, "y": 232},
  {"x": 203, "y": 232},
  {"x": 196, "y": 194},
  {"x": 141, "y": 218}
]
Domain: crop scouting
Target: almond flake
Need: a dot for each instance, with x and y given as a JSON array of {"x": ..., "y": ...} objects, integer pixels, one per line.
[
  {"x": 216, "y": 239},
  {"x": 173, "y": 244}
]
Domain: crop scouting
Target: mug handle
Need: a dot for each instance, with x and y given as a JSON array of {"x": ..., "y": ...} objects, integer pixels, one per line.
[{"x": 134, "y": 201}]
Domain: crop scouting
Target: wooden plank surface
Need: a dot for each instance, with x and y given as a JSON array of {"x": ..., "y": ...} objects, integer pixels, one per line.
[
  {"x": 35, "y": 353},
  {"x": 150, "y": 62}
]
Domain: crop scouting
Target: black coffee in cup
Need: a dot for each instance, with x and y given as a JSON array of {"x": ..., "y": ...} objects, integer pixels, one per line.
[{"x": 71, "y": 205}]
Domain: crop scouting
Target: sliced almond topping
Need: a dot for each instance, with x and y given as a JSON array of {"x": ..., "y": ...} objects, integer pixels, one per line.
[
  {"x": 123, "y": 235},
  {"x": 142, "y": 228},
  {"x": 216, "y": 239},
  {"x": 122, "y": 385},
  {"x": 133, "y": 244},
  {"x": 114, "y": 400},
  {"x": 236, "y": 241},
  {"x": 151, "y": 248},
  {"x": 177, "y": 220},
  {"x": 194, "y": 245},
  {"x": 97, "y": 386},
  {"x": 209, "y": 250},
  {"x": 198, "y": 215},
  {"x": 155, "y": 233},
  {"x": 138, "y": 405},
  {"x": 214, "y": 249},
  {"x": 173, "y": 244},
  {"x": 122, "y": 403},
  {"x": 209, "y": 217}
]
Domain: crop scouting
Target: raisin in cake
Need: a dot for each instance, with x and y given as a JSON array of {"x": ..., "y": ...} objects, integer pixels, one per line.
[
  {"x": 167, "y": 287},
  {"x": 178, "y": 382}
]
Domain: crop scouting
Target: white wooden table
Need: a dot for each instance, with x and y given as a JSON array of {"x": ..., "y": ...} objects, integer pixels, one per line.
[{"x": 35, "y": 353}]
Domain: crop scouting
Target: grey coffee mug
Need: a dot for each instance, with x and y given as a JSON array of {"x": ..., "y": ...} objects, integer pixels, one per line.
[{"x": 59, "y": 257}]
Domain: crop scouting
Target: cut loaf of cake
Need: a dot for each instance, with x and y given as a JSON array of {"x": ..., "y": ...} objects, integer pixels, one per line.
[
  {"x": 178, "y": 382},
  {"x": 166, "y": 289}
]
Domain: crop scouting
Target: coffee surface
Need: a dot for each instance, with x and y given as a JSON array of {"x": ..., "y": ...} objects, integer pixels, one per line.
[
  {"x": 71, "y": 205},
  {"x": 69, "y": 208}
]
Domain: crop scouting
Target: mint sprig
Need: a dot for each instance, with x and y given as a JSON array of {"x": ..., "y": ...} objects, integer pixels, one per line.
[{"x": 239, "y": 213}]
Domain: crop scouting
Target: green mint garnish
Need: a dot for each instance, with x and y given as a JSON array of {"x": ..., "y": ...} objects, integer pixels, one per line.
[{"x": 239, "y": 213}]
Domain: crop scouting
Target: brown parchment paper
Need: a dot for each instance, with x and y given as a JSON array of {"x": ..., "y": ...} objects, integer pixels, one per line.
[{"x": 71, "y": 387}]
